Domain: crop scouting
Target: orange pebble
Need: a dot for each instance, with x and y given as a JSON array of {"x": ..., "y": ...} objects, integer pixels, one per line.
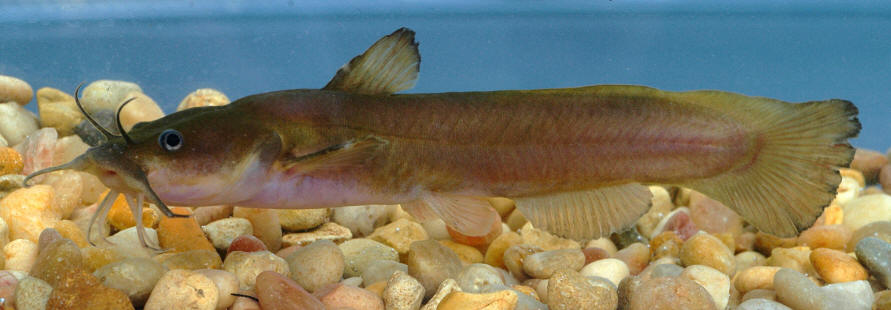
[
  {"x": 121, "y": 218},
  {"x": 180, "y": 234},
  {"x": 11, "y": 162}
]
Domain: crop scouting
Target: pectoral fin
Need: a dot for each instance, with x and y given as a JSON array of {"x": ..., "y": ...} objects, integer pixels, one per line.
[
  {"x": 587, "y": 214},
  {"x": 388, "y": 66},
  {"x": 349, "y": 153},
  {"x": 471, "y": 216}
]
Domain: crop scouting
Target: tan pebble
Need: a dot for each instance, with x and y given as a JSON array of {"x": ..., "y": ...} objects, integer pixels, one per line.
[
  {"x": 268, "y": 229},
  {"x": 883, "y": 300},
  {"x": 226, "y": 283},
  {"x": 661, "y": 206},
  {"x": 403, "y": 292},
  {"x": 527, "y": 290},
  {"x": 328, "y": 231},
  {"x": 745, "y": 242},
  {"x": 141, "y": 109},
  {"x": 16, "y": 123},
  {"x": 340, "y": 296},
  {"x": 869, "y": 162},
  {"x": 757, "y": 277},
  {"x": 854, "y": 174},
  {"x": 514, "y": 257},
  {"x": 671, "y": 293},
  {"x": 504, "y": 300},
  {"x": 467, "y": 254},
  {"x": 748, "y": 259},
  {"x": 797, "y": 259},
  {"x": 611, "y": 269},
  {"x": 760, "y": 293},
  {"x": 636, "y": 256},
  {"x": 377, "y": 288},
  {"x": 203, "y": 97},
  {"x": 541, "y": 288},
  {"x": 437, "y": 229},
  {"x": 847, "y": 190},
  {"x": 77, "y": 289},
  {"x": 20, "y": 255},
  {"x": 194, "y": 259},
  {"x": 568, "y": 289},
  {"x": 106, "y": 94},
  {"x": 864, "y": 210},
  {"x": 833, "y": 237},
  {"x": 222, "y": 232},
  {"x": 835, "y": 266},
  {"x": 832, "y": 215},
  {"x": 545, "y": 240},
  {"x": 69, "y": 230},
  {"x": 28, "y": 211},
  {"x": 205, "y": 215},
  {"x": 183, "y": 287},
  {"x": 96, "y": 257},
  {"x": 504, "y": 206},
  {"x": 605, "y": 244},
  {"x": 885, "y": 178},
  {"x": 68, "y": 148},
  {"x": 302, "y": 219},
  {"x": 32, "y": 294},
  {"x": 11, "y": 161},
  {"x": 362, "y": 220},
  {"x": 881, "y": 230},
  {"x": 445, "y": 288},
  {"x": 713, "y": 216},
  {"x": 431, "y": 263},
  {"x": 666, "y": 244},
  {"x": 360, "y": 253},
  {"x": 316, "y": 265},
  {"x": 495, "y": 252},
  {"x": 13, "y": 89},
  {"x": 247, "y": 265},
  {"x": 58, "y": 110},
  {"x": 765, "y": 243},
  {"x": 716, "y": 283},
  {"x": 399, "y": 234},
  {"x": 134, "y": 276},
  {"x": 515, "y": 220},
  {"x": 543, "y": 264}
]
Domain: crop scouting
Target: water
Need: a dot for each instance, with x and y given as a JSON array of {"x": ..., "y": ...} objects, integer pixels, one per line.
[{"x": 794, "y": 51}]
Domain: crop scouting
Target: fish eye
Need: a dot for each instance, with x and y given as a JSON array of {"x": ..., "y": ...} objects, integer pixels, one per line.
[{"x": 171, "y": 140}]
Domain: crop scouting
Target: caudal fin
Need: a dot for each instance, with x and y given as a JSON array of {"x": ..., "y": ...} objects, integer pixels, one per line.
[{"x": 793, "y": 174}]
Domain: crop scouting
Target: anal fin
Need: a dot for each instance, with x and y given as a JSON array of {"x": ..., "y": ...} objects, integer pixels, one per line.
[
  {"x": 469, "y": 215},
  {"x": 587, "y": 214}
]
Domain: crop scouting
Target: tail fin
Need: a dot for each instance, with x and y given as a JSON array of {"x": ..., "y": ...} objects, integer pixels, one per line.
[{"x": 794, "y": 174}]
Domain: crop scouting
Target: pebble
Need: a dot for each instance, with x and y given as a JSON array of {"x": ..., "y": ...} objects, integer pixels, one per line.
[
  {"x": 278, "y": 292},
  {"x": 744, "y": 260},
  {"x": 302, "y": 219},
  {"x": 226, "y": 284},
  {"x": 3, "y": 141},
  {"x": 666, "y": 244},
  {"x": 120, "y": 217},
  {"x": 853, "y": 295},
  {"x": 765, "y": 243},
  {"x": 77, "y": 289},
  {"x": 761, "y": 304},
  {"x": 848, "y": 189},
  {"x": 757, "y": 277},
  {"x": 399, "y": 234},
  {"x": 670, "y": 293},
  {"x": 69, "y": 230},
  {"x": 495, "y": 252},
  {"x": 705, "y": 249},
  {"x": 191, "y": 260},
  {"x": 15, "y": 90},
  {"x": 567, "y": 289},
  {"x": 329, "y": 231},
  {"x": 58, "y": 110},
  {"x": 867, "y": 209},
  {"x": 180, "y": 234},
  {"x": 716, "y": 283},
  {"x": 605, "y": 244},
  {"x": 28, "y": 211},
  {"x": 16, "y": 123},
  {"x": 516, "y": 220},
  {"x": 660, "y": 270},
  {"x": 713, "y": 216},
  {"x": 89, "y": 134},
  {"x": 430, "y": 262},
  {"x": 545, "y": 240},
  {"x": 882, "y": 302},
  {"x": 96, "y": 257},
  {"x": 56, "y": 260},
  {"x": 362, "y": 220},
  {"x": 446, "y": 288},
  {"x": 835, "y": 266},
  {"x": 436, "y": 229},
  {"x": 4, "y": 233},
  {"x": 381, "y": 270},
  {"x": 678, "y": 221},
  {"x": 500, "y": 300},
  {"x": 20, "y": 255},
  {"x": 203, "y": 97},
  {"x": 178, "y": 288},
  {"x": 8, "y": 283},
  {"x": 359, "y": 253},
  {"x": 875, "y": 255},
  {"x": 760, "y": 293},
  {"x": 796, "y": 290},
  {"x": 141, "y": 109},
  {"x": 247, "y": 265},
  {"x": 885, "y": 178},
  {"x": 134, "y": 276},
  {"x": 246, "y": 243},
  {"x": 543, "y": 264},
  {"x": 660, "y": 207},
  {"x": 493, "y": 232},
  {"x": 514, "y": 257},
  {"x": 611, "y": 269},
  {"x": 881, "y": 230},
  {"x": 244, "y": 303},
  {"x": 403, "y": 292},
  {"x": 222, "y": 232},
  {"x": 127, "y": 242},
  {"x": 11, "y": 161},
  {"x": 797, "y": 259},
  {"x": 868, "y": 162},
  {"x": 478, "y": 278},
  {"x": 467, "y": 254},
  {"x": 106, "y": 95},
  {"x": 266, "y": 226},
  {"x": 636, "y": 256},
  {"x": 32, "y": 294},
  {"x": 316, "y": 265},
  {"x": 340, "y": 296},
  {"x": 594, "y": 254},
  {"x": 205, "y": 215},
  {"x": 834, "y": 237}
]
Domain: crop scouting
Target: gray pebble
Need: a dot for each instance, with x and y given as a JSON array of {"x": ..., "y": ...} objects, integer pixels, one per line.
[{"x": 875, "y": 255}]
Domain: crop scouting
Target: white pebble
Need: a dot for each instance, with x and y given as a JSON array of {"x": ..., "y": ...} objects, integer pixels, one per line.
[
  {"x": 16, "y": 122},
  {"x": 222, "y": 232},
  {"x": 21, "y": 254},
  {"x": 715, "y": 282},
  {"x": 610, "y": 268}
]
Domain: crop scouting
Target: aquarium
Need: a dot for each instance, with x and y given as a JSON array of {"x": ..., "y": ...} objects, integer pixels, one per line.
[{"x": 719, "y": 162}]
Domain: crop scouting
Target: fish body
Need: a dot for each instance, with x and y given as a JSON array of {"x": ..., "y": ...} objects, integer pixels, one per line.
[{"x": 575, "y": 160}]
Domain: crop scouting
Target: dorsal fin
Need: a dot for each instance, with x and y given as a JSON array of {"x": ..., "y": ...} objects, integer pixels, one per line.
[
  {"x": 587, "y": 214},
  {"x": 390, "y": 65}
]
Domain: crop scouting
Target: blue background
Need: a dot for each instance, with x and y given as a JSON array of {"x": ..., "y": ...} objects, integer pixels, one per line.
[{"x": 790, "y": 50}]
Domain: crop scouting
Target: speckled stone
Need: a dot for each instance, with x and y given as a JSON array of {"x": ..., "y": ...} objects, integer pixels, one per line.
[
  {"x": 362, "y": 220},
  {"x": 302, "y": 219},
  {"x": 278, "y": 292},
  {"x": 611, "y": 269},
  {"x": 883, "y": 300},
  {"x": 875, "y": 255},
  {"x": 203, "y": 97},
  {"x": 28, "y": 211},
  {"x": 445, "y": 289},
  {"x": 77, "y": 289},
  {"x": 247, "y": 265},
  {"x": 265, "y": 225},
  {"x": 316, "y": 265},
  {"x": 381, "y": 270},
  {"x": 399, "y": 234},
  {"x": 134, "y": 276},
  {"x": 761, "y": 304},
  {"x": 226, "y": 283},
  {"x": 467, "y": 254},
  {"x": 500, "y": 300},
  {"x": 757, "y": 277},
  {"x": 32, "y": 294},
  {"x": 543, "y": 264},
  {"x": 636, "y": 256},
  {"x": 430, "y": 263},
  {"x": 359, "y": 253},
  {"x": 495, "y": 252},
  {"x": 178, "y": 287},
  {"x": 567, "y": 289},
  {"x": 56, "y": 260},
  {"x": 670, "y": 293},
  {"x": 191, "y": 260},
  {"x": 329, "y": 231},
  {"x": 340, "y": 296},
  {"x": 403, "y": 292},
  {"x": 716, "y": 283},
  {"x": 705, "y": 249},
  {"x": 797, "y": 259},
  {"x": 545, "y": 240},
  {"x": 222, "y": 232},
  {"x": 478, "y": 278}
]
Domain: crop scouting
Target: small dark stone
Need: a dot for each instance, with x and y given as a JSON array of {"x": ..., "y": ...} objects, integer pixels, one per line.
[
  {"x": 92, "y": 136},
  {"x": 627, "y": 237}
]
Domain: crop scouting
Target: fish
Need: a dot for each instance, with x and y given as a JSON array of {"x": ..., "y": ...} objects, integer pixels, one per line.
[{"x": 576, "y": 161}]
